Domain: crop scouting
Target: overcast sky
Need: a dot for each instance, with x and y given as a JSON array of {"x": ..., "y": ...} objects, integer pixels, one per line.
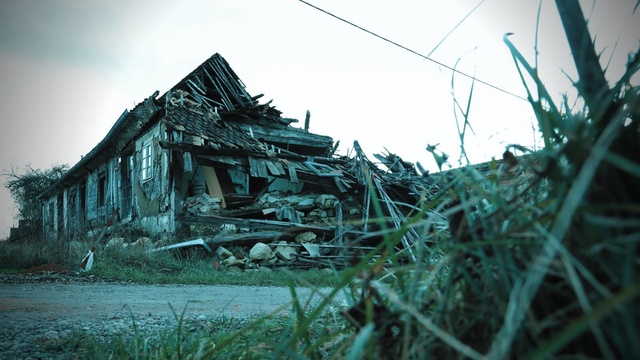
[{"x": 69, "y": 68}]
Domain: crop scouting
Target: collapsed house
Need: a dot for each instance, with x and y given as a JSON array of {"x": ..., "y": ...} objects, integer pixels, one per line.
[{"x": 207, "y": 156}]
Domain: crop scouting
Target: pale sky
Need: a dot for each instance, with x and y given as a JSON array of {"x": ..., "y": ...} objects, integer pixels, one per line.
[{"x": 68, "y": 69}]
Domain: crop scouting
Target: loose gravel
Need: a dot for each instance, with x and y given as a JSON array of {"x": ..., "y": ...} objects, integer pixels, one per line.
[{"x": 40, "y": 311}]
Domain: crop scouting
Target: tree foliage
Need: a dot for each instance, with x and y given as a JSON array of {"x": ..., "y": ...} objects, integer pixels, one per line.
[{"x": 25, "y": 188}]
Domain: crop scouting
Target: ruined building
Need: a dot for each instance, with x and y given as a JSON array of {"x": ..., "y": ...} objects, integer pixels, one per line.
[
  {"x": 204, "y": 147},
  {"x": 207, "y": 155}
]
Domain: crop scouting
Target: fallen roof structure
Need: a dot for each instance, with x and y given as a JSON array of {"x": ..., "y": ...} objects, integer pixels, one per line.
[{"x": 207, "y": 161}]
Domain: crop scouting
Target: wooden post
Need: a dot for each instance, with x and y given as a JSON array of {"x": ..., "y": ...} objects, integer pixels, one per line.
[
  {"x": 307, "y": 118},
  {"x": 215, "y": 190},
  {"x": 338, "y": 233}
]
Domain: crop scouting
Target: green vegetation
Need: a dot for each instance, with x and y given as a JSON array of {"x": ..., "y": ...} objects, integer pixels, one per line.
[
  {"x": 25, "y": 188},
  {"x": 173, "y": 267},
  {"x": 141, "y": 267}
]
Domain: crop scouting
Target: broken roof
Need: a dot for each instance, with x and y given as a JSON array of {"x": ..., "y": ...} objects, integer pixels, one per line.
[
  {"x": 195, "y": 107},
  {"x": 128, "y": 125}
]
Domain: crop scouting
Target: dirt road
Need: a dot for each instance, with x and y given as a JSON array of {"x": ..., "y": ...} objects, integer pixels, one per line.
[
  {"x": 98, "y": 301},
  {"x": 49, "y": 308}
]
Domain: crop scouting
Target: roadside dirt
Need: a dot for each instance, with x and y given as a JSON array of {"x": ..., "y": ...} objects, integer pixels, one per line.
[{"x": 61, "y": 295}]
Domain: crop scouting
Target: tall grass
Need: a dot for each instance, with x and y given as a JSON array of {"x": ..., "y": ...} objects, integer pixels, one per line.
[
  {"x": 540, "y": 259},
  {"x": 130, "y": 264}
]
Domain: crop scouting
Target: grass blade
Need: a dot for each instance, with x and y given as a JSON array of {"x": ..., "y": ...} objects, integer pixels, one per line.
[
  {"x": 521, "y": 296},
  {"x": 361, "y": 341},
  {"x": 576, "y": 327}
]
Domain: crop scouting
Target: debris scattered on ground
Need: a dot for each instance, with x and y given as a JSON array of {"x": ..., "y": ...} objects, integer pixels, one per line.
[{"x": 48, "y": 267}]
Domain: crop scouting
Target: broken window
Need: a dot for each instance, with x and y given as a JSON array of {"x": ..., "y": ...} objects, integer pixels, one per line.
[
  {"x": 126, "y": 192},
  {"x": 102, "y": 188},
  {"x": 147, "y": 160}
]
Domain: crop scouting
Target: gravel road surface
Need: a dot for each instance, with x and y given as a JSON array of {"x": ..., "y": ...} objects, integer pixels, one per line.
[{"x": 41, "y": 309}]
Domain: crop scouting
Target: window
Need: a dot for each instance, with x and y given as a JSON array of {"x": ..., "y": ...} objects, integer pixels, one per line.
[
  {"x": 102, "y": 189},
  {"x": 147, "y": 160},
  {"x": 83, "y": 197}
]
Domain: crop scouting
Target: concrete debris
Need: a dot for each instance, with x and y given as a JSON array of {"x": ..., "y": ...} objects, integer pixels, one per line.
[
  {"x": 142, "y": 243},
  {"x": 115, "y": 242},
  {"x": 288, "y": 213},
  {"x": 203, "y": 204},
  {"x": 326, "y": 201},
  {"x": 260, "y": 251},
  {"x": 233, "y": 261},
  {"x": 223, "y": 253},
  {"x": 228, "y": 229},
  {"x": 306, "y": 237},
  {"x": 285, "y": 252}
]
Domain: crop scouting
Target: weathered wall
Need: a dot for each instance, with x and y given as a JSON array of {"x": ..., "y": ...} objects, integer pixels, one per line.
[
  {"x": 64, "y": 213},
  {"x": 152, "y": 195},
  {"x": 102, "y": 193}
]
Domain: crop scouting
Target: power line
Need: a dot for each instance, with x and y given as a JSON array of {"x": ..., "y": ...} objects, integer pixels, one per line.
[{"x": 415, "y": 52}]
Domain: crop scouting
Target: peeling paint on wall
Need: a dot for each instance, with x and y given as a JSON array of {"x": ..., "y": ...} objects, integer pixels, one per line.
[{"x": 146, "y": 206}]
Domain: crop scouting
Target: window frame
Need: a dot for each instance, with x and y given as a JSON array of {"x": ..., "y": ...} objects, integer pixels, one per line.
[
  {"x": 102, "y": 185},
  {"x": 146, "y": 161}
]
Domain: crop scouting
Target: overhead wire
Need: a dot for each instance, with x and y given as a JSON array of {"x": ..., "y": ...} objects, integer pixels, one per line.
[{"x": 415, "y": 52}]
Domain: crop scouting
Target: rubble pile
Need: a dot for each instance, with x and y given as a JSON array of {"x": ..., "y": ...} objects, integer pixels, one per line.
[
  {"x": 297, "y": 208},
  {"x": 274, "y": 254},
  {"x": 310, "y": 228},
  {"x": 202, "y": 204}
]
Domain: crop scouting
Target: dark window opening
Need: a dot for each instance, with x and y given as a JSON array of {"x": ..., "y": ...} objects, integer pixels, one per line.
[
  {"x": 102, "y": 189},
  {"x": 50, "y": 214},
  {"x": 126, "y": 181},
  {"x": 83, "y": 197},
  {"x": 256, "y": 184}
]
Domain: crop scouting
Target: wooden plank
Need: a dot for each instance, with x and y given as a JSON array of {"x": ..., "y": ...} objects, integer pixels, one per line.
[
  {"x": 195, "y": 87},
  {"x": 338, "y": 233},
  {"x": 223, "y": 159},
  {"x": 225, "y": 100},
  {"x": 224, "y": 80},
  {"x": 272, "y": 168},
  {"x": 199, "y": 78},
  {"x": 204, "y": 98},
  {"x": 253, "y": 166},
  {"x": 224, "y": 95},
  {"x": 293, "y": 136},
  {"x": 193, "y": 140},
  {"x": 279, "y": 166},
  {"x": 292, "y": 173},
  {"x": 262, "y": 168},
  {"x": 215, "y": 190},
  {"x": 247, "y": 238},
  {"x": 339, "y": 184},
  {"x": 193, "y": 93},
  {"x": 214, "y": 84},
  {"x": 232, "y": 83},
  {"x": 184, "y": 146},
  {"x": 254, "y": 224}
]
